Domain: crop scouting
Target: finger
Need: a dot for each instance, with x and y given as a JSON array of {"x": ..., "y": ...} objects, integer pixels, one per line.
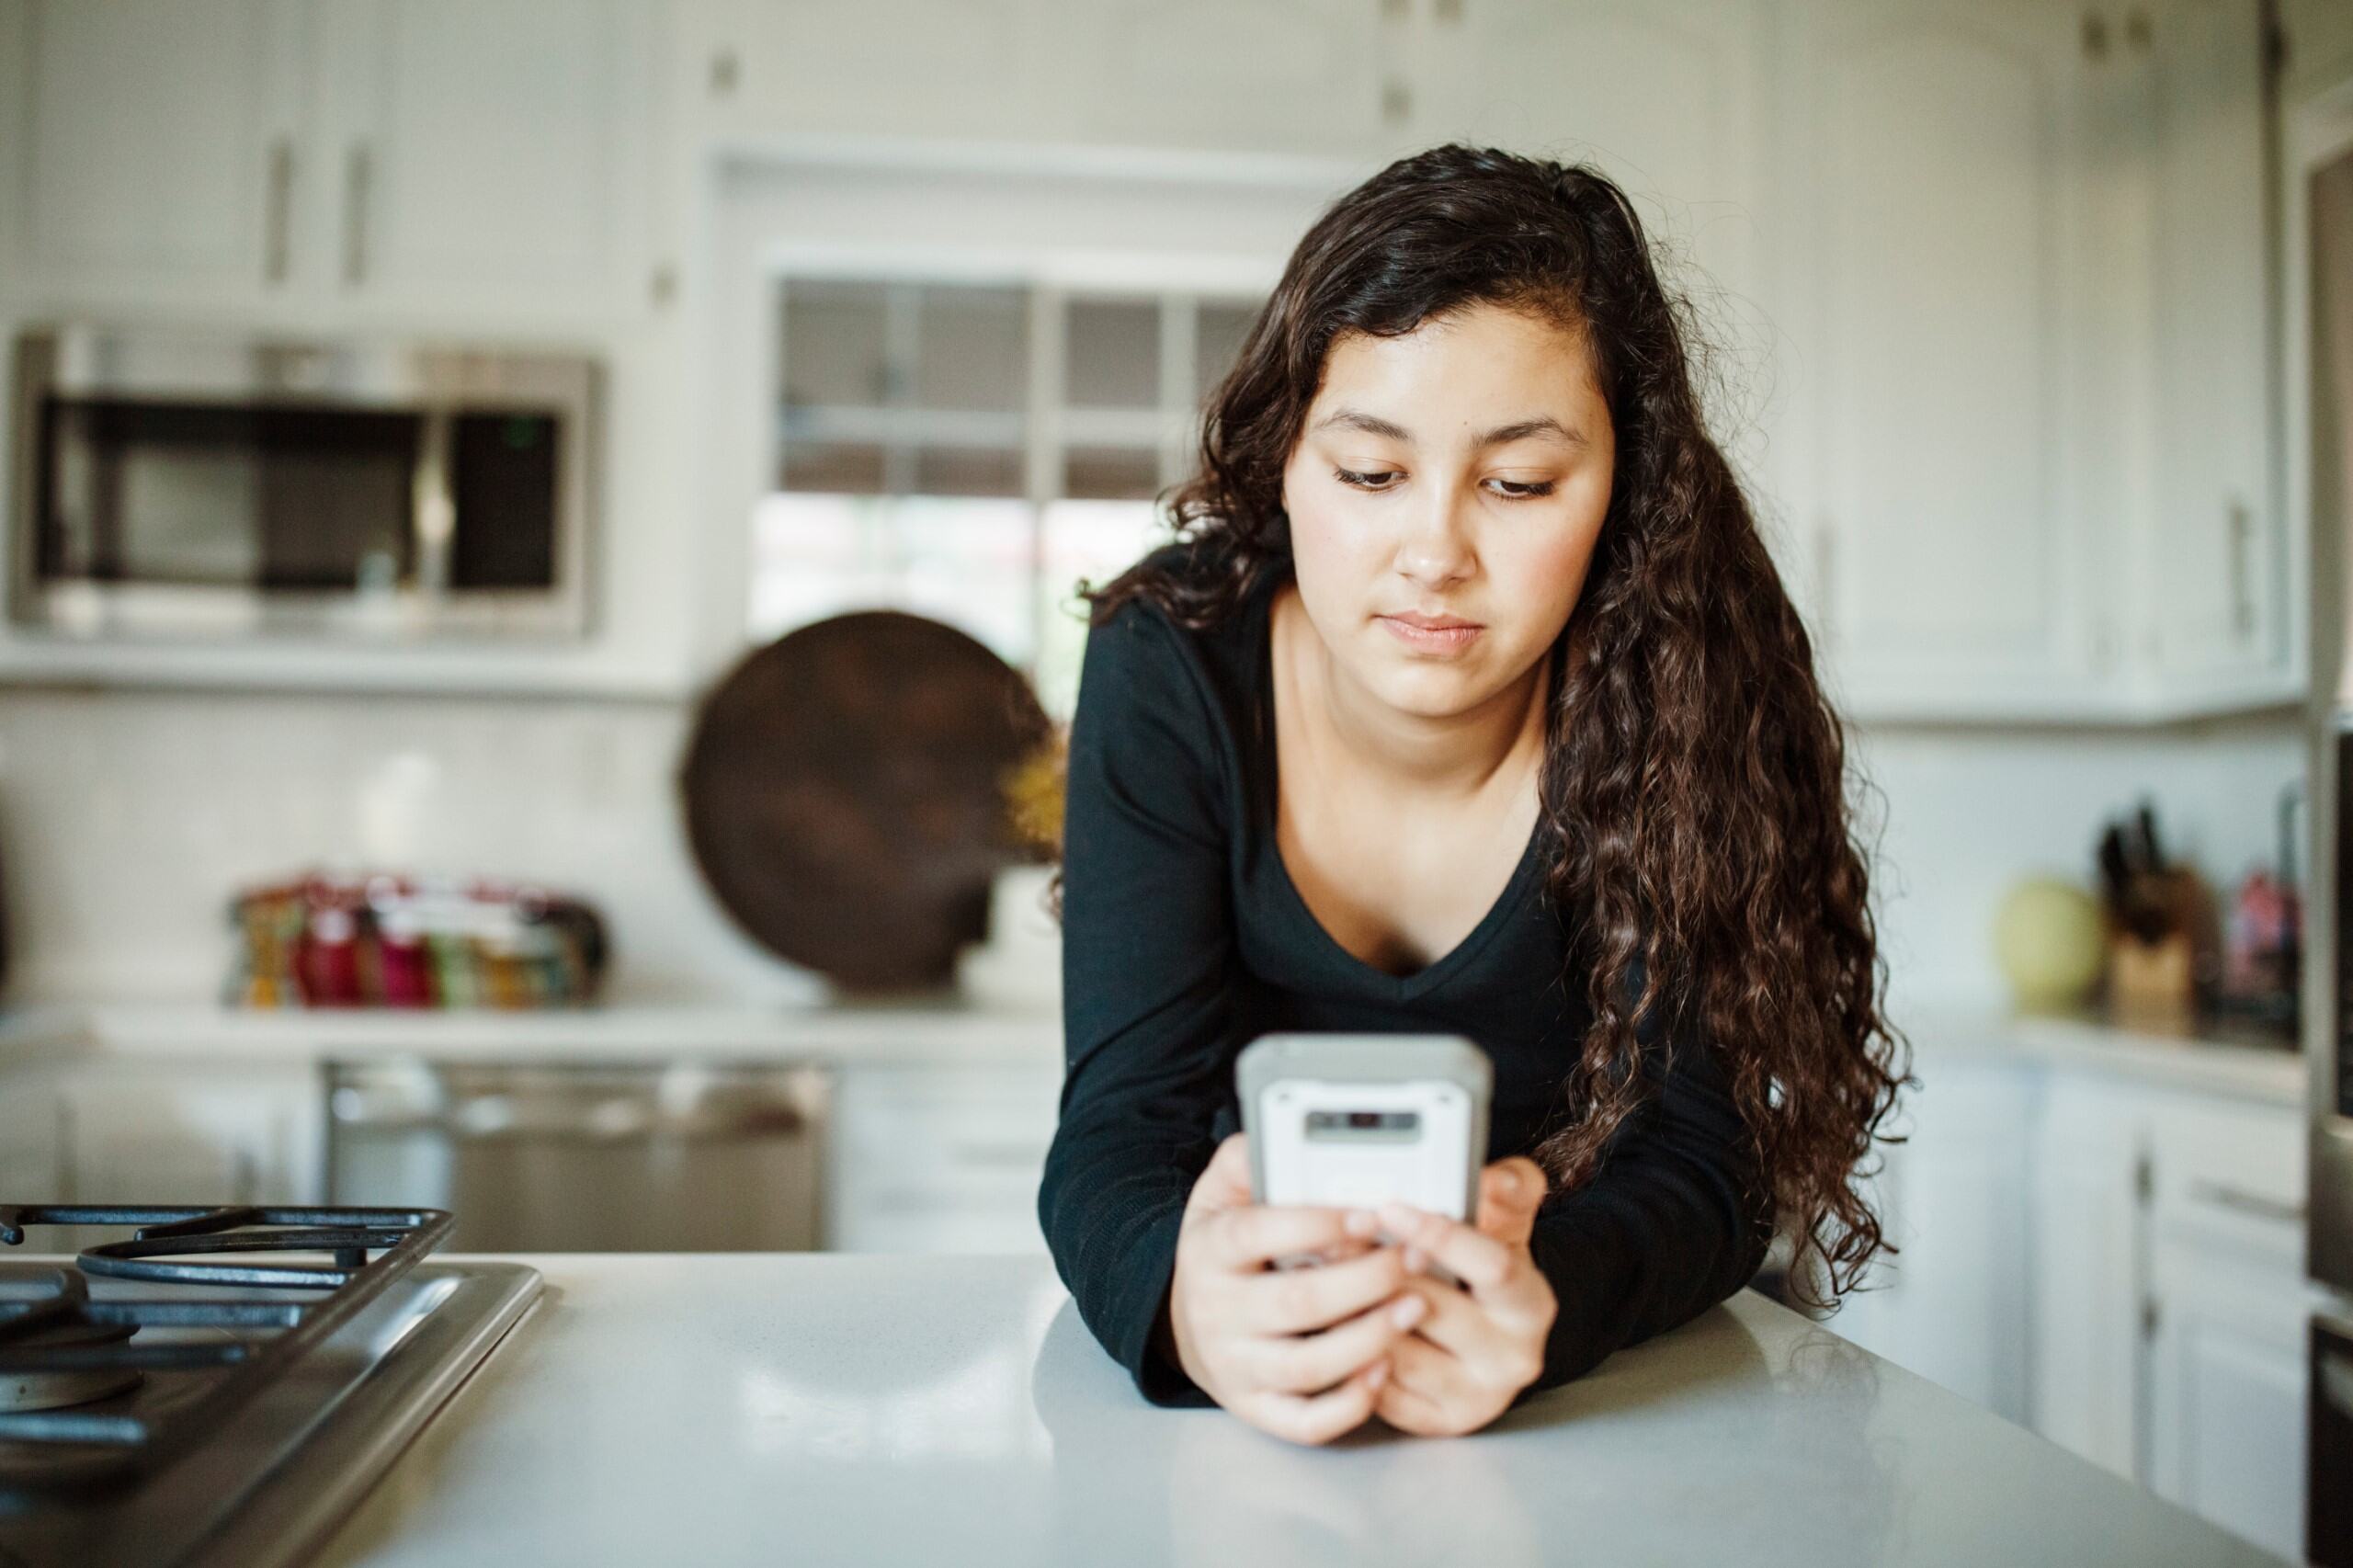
[
  {"x": 1225, "y": 1183},
  {"x": 1299, "y": 1300},
  {"x": 1408, "y": 1410},
  {"x": 1317, "y": 1418},
  {"x": 1510, "y": 1191},
  {"x": 1492, "y": 1352},
  {"x": 1477, "y": 1259},
  {"x": 1452, "y": 1320},
  {"x": 1319, "y": 1360},
  {"x": 1255, "y": 1234}
]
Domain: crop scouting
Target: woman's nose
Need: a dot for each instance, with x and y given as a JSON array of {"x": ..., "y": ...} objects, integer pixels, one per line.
[{"x": 1436, "y": 550}]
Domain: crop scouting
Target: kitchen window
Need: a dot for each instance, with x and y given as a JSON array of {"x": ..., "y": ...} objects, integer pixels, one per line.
[{"x": 970, "y": 449}]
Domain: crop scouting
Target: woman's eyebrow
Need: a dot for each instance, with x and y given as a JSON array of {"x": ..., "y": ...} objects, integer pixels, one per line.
[{"x": 1373, "y": 425}]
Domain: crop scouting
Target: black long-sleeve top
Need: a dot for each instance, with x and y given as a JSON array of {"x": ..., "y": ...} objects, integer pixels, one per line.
[{"x": 1183, "y": 939}]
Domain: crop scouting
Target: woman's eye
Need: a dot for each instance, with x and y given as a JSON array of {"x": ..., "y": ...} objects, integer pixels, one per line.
[
  {"x": 1514, "y": 490},
  {"x": 1366, "y": 480}
]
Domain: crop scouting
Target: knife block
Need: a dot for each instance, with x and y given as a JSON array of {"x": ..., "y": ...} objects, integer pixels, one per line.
[{"x": 2152, "y": 980}]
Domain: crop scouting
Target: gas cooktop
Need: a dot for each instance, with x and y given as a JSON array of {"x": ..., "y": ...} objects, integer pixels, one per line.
[{"x": 220, "y": 1386}]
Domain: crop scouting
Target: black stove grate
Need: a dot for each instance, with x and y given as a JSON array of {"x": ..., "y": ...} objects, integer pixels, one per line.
[{"x": 189, "y": 1246}]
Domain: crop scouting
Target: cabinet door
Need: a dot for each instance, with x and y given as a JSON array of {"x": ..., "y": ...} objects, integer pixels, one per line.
[
  {"x": 953, "y": 68},
  {"x": 1938, "y": 225},
  {"x": 2085, "y": 1220},
  {"x": 1260, "y": 75},
  {"x": 487, "y": 151},
  {"x": 1951, "y": 1303},
  {"x": 162, "y": 146},
  {"x": 2228, "y": 1311},
  {"x": 939, "y": 1159},
  {"x": 2218, "y": 610},
  {"x": 1662, "y": 97},
  {"x": 31, "y": 1155},
  {"x": 2227, "y": 1386},
  {"x": 142, "y": 1132}
]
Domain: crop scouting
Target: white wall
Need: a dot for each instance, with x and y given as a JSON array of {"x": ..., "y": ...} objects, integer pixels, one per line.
[{"x": 126, "y": 817}]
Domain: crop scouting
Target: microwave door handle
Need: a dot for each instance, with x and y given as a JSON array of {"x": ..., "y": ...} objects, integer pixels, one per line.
[{"x": 433, "y": 507}]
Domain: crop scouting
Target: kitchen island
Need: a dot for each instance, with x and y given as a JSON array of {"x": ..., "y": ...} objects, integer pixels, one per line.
[{"x": 825, "y": 1408}]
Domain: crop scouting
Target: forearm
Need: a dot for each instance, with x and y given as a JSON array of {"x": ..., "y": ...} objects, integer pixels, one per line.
[{"x": 1110, "y": 1209}]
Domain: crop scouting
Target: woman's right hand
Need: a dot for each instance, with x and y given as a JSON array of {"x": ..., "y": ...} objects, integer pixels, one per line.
[{"x": 1302, "y": 1352}]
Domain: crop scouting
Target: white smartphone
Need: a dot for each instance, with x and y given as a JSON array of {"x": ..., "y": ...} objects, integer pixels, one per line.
[{"x": 1355, "y": 1120}]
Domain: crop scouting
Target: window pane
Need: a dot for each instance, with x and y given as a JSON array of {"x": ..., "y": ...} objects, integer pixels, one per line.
[
  {"x": 834, "y": 343},
  {"x": 967, "y": 470},
  {"x": 963, "y": 562},
  {"x": 1112, "y": 350},
  {"x": 972, "y": 348},
  {"x": 1218, "y": 329},
  {"x": 1111, "y": 474},
  {"x": 843, "y": 469},
  {"x": 1091, "y": 539}
]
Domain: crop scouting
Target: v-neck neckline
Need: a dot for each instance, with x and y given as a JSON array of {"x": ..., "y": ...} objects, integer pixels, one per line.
[{"x": 1397, "y": 987}]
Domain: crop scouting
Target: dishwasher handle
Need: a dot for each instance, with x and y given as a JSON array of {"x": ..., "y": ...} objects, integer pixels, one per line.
[{"x": 584, "y": 1106}]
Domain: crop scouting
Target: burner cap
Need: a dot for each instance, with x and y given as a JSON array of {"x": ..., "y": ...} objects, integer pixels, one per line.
[{"x": 40, "y": 1390}]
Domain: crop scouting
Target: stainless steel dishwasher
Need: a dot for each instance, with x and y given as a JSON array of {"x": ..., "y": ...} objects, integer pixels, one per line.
[{"x": 655, "y": 1157}]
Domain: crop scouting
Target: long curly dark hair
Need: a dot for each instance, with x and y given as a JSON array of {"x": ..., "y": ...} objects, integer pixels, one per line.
[{"x": 1694, "y": 779}]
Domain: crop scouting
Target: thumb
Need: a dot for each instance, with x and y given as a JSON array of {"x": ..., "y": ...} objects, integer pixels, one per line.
[
  {"x": 1225, "y": 1182},
  {"x": 1510, "y": 1191}
]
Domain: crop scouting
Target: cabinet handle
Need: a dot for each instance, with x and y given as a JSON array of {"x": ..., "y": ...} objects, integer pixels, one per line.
[
  {"x": 1396, "y": 102},
  {"x": 274, "y": 215},
  {"x": 2247, "y": 1202},
  {"x": 2242, "y": 527},
  {"x": 358, "y": 171}
]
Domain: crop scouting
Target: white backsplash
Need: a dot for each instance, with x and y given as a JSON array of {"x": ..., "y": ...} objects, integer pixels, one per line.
[{"x": 128, "y": 817}]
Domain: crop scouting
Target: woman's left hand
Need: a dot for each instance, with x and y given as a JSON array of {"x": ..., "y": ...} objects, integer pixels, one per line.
[{"x": 1480, "y": 1343}]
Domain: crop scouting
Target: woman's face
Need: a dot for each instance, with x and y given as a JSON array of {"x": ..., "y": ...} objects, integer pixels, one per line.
[{"x": 1460, "y": 471}]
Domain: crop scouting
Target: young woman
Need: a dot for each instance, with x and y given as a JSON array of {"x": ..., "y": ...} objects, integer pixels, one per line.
[{"x": 1468, "y": 701}]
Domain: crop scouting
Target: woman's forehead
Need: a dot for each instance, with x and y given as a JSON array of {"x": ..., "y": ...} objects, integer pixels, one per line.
[{"x": 1470, "y": 364}]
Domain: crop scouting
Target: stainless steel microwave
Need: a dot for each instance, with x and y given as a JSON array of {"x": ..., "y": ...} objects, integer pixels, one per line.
[{"x": 180, "y": 483}]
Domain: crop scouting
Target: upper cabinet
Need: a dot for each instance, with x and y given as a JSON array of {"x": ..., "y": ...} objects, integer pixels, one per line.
[
  {"x": 434, "y": 156},
  {"x": 2217, "y": 620},
  {"x": 488, "y": 150},
  {"x": 1986, "y": 287},
  {"x": 1941, "y": 292},
  {"x": 1262, "y": 75},
  {"x": 161, "y": 143},
  {"x": 2033, "y": 381}
]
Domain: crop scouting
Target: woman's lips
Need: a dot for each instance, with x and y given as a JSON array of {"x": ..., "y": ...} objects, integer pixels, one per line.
[{"x": 1439, "y": 639}]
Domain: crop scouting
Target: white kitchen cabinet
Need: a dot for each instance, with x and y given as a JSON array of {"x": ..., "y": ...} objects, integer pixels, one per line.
[
  {"x": 1938, "y": 244},
  {"x": 491, "y": 151},
  {"x": 2090, "y": 1172},
  {"x": 187, "y": 1133},
  {"x": 2116, "y": 1265},
  {"x": 1951, "y": 1303},
  {"x": 939, "y": 1159},
  {"x": 334, "y": 155},
  {"x": 32, "y": 1152},
  {"x": 2215, "y": 626},
  {"x": 751, "y": 69},
  {"x": 2032, "y": 380},
  {"x": 158, "y": 145},
  {"x": 1282, "y": 75},
  {"x": 1270, "y": 75},
  {"x": 2228, "y": 1316}
]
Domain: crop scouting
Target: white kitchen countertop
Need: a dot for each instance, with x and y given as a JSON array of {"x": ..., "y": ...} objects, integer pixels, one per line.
[
  {"x": 930, "y": 1034},
  {"x": 818, "y": 1408},
  {"x": 933, "y": 1034}
]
